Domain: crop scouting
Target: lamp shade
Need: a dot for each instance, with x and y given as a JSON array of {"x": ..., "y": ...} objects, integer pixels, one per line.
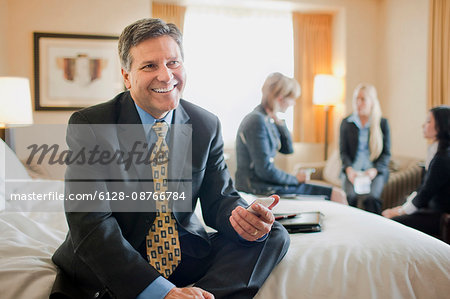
[
  {"x": 15, "y": 102},
  {"x": 327, "y": 90}
]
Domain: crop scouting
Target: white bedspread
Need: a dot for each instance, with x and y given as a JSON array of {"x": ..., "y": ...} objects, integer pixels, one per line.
[
  {"x": 357, "y": 255},
  {"x": 27, "y": 242}
]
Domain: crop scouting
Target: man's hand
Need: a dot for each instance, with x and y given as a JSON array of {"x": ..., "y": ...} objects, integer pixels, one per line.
[
  {"x": 250, "y": 226},
  {"x": 188, "y": 293}
]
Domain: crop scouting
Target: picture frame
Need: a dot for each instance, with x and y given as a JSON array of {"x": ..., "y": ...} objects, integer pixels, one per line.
[{"x": 73, "y": 71}]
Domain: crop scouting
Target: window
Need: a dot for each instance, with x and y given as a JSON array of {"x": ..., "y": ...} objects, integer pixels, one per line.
[{"x": 228, "y": 55}]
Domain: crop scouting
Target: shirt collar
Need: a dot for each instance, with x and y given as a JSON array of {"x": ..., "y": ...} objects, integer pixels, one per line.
[
  {"x": 354, "y": 118},
  {"x": 148, "y": 119}
]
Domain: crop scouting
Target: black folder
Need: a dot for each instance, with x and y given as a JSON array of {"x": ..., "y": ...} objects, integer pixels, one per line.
[{"x": 306, "y": 222}]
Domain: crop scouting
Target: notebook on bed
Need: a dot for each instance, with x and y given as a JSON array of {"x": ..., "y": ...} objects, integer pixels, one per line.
[{"x": 306, "y": 222}]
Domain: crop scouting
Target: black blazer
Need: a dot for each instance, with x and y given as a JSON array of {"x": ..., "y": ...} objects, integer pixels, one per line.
[
  {"x": 105, "y": 250},
  {"x": 348, "y": 145},
  {"x": 434, "y": 193}
]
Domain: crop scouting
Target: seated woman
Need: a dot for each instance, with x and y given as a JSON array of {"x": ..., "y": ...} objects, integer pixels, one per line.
[
  {"x": 424, "y": 208},
  {"x": 261, "y": 134},
  {"x": 365, "y": 148}
]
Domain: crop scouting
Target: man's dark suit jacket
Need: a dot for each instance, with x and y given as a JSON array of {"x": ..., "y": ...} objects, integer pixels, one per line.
[
  {"x": 348, "y": 145},
  {"x": 105, "y": 251}
]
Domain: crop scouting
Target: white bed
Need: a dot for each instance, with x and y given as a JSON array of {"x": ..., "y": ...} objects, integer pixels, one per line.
[{"x": 357, "y": 255}]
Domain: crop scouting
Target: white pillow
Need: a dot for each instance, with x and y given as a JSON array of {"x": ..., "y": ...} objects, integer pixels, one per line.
[
  {"x": 332, "y": 169},
  {"x": 10, "y": 169},
  {"x": 2, "y": 175}
]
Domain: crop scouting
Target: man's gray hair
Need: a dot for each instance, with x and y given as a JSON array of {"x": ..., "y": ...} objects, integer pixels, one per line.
[{"x": 142, "y": 30}]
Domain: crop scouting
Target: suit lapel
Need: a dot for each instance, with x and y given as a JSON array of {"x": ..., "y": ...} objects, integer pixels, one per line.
[
  {"x": 132, "y": 139},
  {"x": 180, "y": 147},
  {"x": 353, "y": 136}
]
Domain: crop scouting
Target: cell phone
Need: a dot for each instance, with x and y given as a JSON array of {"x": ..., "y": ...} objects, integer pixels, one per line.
[{"x": 268, "y": 202}]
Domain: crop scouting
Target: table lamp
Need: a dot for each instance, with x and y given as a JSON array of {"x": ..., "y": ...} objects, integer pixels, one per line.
[
  {"x": 327, "y": 92},
  {"x": 15, "y": 106}
]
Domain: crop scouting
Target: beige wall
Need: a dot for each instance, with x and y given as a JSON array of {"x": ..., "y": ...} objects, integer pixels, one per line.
[
  {"x": 403, "y": 72},
  {"x": 361, "y": 35},
  {"x": 82, "y": 16},
  {"x": 3, "y": 38},
  {"x": 361, "y": 57},
  {"x": 355, "y": 46},
  {"x": 386, "y": 45},
  {"x": 378, "y": 41}
]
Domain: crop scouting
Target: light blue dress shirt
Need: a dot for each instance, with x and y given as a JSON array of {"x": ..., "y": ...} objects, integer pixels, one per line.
[
  {"x": 160, "y": 286},
  {"x": 362, "y": 160},
  {"x": 148, "y": 121}
]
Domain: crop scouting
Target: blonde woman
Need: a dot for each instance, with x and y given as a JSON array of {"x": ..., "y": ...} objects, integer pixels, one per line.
[
  {"x": 261, "y": 135},
  {"x": 365, "y": 147}
]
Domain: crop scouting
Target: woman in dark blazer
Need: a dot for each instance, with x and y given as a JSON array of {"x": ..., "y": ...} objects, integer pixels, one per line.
[
  {"x": 365, "y": 148},
  {"x": 261, "y": 135},
  {"x": 424, "y": 208}
]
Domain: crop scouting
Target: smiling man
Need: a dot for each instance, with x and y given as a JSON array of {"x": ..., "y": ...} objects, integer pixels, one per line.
[
  {"x": 160, "y": 250},
  {"x": 156, "y": 76}
]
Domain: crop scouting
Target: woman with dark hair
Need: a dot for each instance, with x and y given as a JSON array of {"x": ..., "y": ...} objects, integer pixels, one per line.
[{"x": 424, "y": 208}]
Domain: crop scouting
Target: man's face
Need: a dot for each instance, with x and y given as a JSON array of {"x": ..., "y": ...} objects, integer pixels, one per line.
[{"x": 156, "y": 77}]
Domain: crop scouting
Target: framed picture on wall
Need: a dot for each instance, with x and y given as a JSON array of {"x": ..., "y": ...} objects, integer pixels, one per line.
[{"x": 73, "y": 71}]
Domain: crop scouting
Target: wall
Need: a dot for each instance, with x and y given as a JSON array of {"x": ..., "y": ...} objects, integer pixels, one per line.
[
  {"x": 362, "y": 43},
  {"x": 403, "y": 72},
  {"x": 355, "y": 47},
  {"x": 60, "y": 16},
  {"x": 386, "y": 45},
  {"x": 379, "y": 41},
  {"x": 3, "y": 38},
  {"x": 361, "y": 57},
  {"x": 63, "y": 16}
]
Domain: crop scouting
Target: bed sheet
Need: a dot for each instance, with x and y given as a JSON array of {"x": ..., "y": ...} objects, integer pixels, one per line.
[{"x": 27, "y": 242}]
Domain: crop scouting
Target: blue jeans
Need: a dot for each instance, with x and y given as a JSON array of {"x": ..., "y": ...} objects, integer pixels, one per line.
[
  {"x": 305, "y": 189},
  {"x": 371, "y": 201}
]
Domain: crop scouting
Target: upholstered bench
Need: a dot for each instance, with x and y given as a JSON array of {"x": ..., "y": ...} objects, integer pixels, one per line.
[{"x": 405, "y": 177}]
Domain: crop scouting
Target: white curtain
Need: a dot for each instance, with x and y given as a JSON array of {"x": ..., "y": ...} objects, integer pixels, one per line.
[{"x": 228, "y": 55}]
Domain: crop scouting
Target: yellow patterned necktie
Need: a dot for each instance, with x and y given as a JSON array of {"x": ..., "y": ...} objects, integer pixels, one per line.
[{"x": 163, "y": 245}]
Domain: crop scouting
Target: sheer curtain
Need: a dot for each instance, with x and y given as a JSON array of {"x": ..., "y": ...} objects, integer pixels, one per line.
[{"x": 228, "y": 55}]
